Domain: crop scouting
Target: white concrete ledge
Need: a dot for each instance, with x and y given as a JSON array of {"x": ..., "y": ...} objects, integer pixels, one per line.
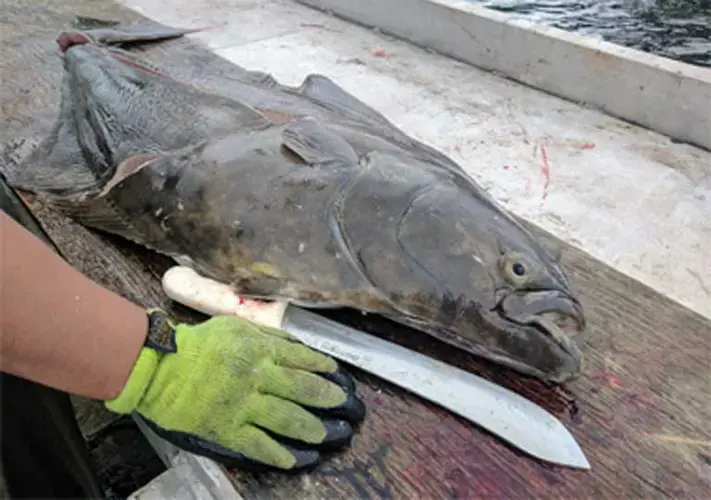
[{"x": 663, "y": 95}]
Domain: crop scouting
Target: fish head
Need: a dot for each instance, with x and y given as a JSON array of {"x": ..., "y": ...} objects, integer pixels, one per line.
[
  {"x": 494, "y": 288},
  {"x": 533, "y": 316}
]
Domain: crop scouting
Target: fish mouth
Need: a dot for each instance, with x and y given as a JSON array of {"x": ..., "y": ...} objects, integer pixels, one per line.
[
  {"x": 562, "y": 328},
  {"x": 552, "y": 322}
]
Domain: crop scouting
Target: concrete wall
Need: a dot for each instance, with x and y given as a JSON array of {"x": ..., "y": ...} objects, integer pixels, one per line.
[{"x": 667, "y": 96}]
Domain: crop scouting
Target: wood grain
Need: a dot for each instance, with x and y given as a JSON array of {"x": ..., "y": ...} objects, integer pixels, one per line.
[{"x": 640, "y": 412}]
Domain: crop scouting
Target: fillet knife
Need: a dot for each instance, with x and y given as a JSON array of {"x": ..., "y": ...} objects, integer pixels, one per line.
[{"x": 500, "y": 411}]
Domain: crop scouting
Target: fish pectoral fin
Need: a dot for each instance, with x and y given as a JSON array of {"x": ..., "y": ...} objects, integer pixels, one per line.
[{"x": 316, "y": 144}]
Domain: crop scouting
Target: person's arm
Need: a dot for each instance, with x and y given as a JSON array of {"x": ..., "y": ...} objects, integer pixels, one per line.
[
  {"x": 58, "y": 327},
  {"x": 221, "y": 382}
]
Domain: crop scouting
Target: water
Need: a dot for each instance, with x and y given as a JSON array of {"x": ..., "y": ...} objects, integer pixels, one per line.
[{"x": 676, "y": 29}]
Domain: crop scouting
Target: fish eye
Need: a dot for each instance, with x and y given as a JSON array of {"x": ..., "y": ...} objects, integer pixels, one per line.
[{"x": 516, "y": 269}]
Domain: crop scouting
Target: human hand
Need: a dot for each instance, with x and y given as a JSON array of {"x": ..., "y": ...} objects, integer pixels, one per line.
[{"x": 241, "y": 393}]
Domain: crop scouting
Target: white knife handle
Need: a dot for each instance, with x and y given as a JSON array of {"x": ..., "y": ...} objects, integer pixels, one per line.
[{"x": 187, "y": 287}]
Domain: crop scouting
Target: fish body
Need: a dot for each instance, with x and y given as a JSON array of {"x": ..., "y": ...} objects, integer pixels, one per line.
[{"x": 301, "y": 194}]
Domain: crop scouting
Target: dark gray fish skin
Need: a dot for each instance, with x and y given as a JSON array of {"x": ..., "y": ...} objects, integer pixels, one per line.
[{"x": 306, "y": 195}]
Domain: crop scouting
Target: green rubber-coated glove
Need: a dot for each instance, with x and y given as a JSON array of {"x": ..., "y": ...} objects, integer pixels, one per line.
[{"x": 246, "y": 395}]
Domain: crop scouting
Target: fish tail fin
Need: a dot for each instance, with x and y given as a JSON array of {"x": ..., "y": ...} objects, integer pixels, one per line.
[{"x": 88, "y": 22}]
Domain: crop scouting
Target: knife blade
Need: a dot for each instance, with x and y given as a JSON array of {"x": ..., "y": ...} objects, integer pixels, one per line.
[{"x": 502, "y": 412}]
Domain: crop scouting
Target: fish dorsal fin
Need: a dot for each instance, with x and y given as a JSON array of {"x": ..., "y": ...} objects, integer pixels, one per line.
[
  {"x": 316, "y": 144},
  {"x": 326, "y": 92}
]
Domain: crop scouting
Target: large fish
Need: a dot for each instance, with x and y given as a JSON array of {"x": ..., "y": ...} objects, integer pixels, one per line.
[{"x": 302, "y": 194}]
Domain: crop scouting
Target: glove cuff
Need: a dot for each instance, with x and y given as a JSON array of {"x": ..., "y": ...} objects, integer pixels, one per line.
[
  {"x": 161, "y": 332},
  {"x": 137, "y": 383},
  {"x": 160, "y": 339}
]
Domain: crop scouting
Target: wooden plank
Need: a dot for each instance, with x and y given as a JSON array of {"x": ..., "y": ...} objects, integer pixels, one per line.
[{"x": 641, "y": 413}]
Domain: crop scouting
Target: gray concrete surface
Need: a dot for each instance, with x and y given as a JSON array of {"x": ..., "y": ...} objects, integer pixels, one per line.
[{"x": 666, "y": 96}]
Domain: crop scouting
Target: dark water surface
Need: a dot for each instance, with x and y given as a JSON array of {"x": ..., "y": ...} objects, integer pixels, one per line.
[{"x": 677, "y": 29}]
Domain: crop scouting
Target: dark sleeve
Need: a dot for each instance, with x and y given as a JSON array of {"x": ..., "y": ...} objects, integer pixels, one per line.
[{"x": 12, "y": 205}]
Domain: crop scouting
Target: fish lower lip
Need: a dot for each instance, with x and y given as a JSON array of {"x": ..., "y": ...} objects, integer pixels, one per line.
[
  {"x": 562, "y": 337},
  {"x": 561, "y": 323},
  {"x": 550, "y": 327}
]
